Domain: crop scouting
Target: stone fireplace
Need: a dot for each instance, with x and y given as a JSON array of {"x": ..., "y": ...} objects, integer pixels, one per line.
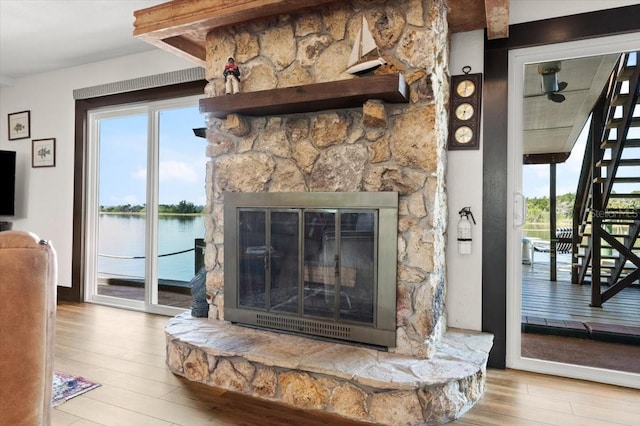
[
  {"x": 376, "y": 147},
  {"x": 428, "y": 374}
]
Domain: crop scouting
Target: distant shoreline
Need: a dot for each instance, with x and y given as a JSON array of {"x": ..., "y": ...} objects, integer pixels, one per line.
[{"x": 144, "y": 214}]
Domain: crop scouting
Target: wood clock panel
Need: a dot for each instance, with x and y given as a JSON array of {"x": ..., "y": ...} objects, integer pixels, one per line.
[{"x": 465, "y": 104}]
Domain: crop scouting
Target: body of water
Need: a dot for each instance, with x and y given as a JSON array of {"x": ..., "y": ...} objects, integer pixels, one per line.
[
  {"x": 121, "y": 245},
  {"x": 540, "y": 230}
]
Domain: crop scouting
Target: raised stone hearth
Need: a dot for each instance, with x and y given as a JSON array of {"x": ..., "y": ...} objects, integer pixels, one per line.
[{"x": 349, "y": 381}]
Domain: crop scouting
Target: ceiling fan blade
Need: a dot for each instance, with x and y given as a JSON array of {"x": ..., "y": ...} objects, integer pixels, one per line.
[
  {"x": 556, "y": 97},
  {"x": 562, "y": 85}
]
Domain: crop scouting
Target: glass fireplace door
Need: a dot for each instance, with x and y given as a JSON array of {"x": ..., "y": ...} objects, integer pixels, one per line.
[
  {"x": 358, "y": 266},
  {"x": 339, "y": 265},
  {"x": 338, "y": 251},
  {"x": 268, "y": 255},
  {"x": 321, "y": 275}
]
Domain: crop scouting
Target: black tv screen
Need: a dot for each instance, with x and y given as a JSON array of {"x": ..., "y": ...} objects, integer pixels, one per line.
[{"x": 7, "y": 183}]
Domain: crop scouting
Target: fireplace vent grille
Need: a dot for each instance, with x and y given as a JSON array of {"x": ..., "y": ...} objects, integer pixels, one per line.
[{"x": 304, "y": 326}]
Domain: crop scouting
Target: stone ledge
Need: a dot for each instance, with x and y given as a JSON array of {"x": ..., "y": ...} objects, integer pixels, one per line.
[{"x": 354, "y": 382}]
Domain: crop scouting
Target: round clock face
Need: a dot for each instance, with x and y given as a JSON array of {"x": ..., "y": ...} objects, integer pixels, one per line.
[
  {"x": 464, "y": 111},
  {"x": 465, "y": 88},
  {"x": 463, "y": 134}
]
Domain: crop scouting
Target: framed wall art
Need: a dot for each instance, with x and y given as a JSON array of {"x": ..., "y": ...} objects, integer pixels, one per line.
[
  {"x": 43, "y": 152},
  {"x": 19, "y": 125}
]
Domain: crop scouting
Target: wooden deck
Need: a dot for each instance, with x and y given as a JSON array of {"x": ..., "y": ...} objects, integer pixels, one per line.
[{"x": 562, "y": 305}]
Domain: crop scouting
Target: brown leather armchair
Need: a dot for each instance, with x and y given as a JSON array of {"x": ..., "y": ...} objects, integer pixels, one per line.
[{"x": 28, "y": 280}]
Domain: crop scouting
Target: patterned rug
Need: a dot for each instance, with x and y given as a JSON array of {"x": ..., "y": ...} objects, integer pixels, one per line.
[{"x": 66, "y": 386}]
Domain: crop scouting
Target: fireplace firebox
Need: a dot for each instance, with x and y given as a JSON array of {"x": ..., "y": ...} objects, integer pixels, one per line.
[{"x": 319, "y": 264}]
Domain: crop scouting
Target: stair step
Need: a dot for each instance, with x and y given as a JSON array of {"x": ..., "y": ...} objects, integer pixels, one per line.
[
  {"x": 625, "y": 179},
  {"x": 588, "y": 235},
  {"x": 619, "y": 99},
  {"x": 610, "y": 257},
  {"x": 613, "y": 222},
  {"x": 625, "y": 216},
  {"x": 607, "y": 268},
  {"x": 617, "y": 195},
  {"x": 605, "y": 272},
  {"x": 602, "y": 256},
  {"x": 625, "y": 73},
  {"x": 629, "y": 143},
  {"x": 608, "y": 222},
  {"x": 625, "y": 162},
  {"x": 616, "y": 122}
]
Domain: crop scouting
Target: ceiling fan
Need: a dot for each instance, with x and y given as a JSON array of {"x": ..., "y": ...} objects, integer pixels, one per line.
[{"x": 550, "y": 85}]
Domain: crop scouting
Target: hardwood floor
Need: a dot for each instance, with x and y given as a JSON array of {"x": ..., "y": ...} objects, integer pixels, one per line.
[{"x": 125, "y": 352}]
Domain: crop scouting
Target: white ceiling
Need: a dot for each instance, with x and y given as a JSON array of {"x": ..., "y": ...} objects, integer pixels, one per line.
[
  {"x": 551, "y": 127},
  {"x": 37, "y": 36}
]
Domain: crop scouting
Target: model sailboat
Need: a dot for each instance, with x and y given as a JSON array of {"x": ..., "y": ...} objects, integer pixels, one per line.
[{"x": 365, "y": 56}]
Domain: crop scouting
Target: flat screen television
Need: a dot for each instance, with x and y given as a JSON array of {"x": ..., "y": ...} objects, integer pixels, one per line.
[{"x": 7, "y": 183}]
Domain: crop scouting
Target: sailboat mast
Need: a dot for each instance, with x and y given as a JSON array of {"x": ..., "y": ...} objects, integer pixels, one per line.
[{"x": 361, "y": 38}]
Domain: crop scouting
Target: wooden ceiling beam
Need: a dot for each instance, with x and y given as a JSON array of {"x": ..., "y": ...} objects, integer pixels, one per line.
[
  {"x": 211, "y": 14},
  {"x": 550, "y": 158},
  {"x": 465, "y": 15},
  {"x": 470, "y": 15},
  {"x": 497, "y": 17},
  {"x": 181, "y": 26}
]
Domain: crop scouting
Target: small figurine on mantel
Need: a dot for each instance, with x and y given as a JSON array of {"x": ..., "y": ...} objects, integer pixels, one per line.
[{"x": 231, "y": 77}]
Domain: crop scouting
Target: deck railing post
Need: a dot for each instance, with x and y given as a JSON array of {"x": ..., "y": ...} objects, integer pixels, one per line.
[{"x": 199, "y": 254}]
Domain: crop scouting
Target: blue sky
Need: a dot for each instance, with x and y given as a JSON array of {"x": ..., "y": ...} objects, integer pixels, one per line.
[
  {"x": 123, "y": 158},
  {"x": 535, "y": 177}
]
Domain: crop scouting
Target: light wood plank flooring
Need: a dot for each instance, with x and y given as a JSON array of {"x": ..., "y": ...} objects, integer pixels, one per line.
[{"x": 125, "y": 351}]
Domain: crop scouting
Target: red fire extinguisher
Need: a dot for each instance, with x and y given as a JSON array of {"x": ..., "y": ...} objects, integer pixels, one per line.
[{"x": 464, "y": 230}]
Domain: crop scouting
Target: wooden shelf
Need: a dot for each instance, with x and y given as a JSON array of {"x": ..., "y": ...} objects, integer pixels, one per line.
[{"x": 391, "y": 88}]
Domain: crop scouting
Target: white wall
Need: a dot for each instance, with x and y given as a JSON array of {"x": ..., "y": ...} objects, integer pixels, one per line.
[
  {"x": 44, "y": 196},
  {"x": 464, "y": 189},
  {"x": 535, "y": 10}
]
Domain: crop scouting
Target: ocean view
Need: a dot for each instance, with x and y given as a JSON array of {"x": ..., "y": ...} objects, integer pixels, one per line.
[{"x": 122, "y": 245}]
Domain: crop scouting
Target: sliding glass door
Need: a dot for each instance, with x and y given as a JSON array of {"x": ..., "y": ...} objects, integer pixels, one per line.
[{"x": 145, "y": 195}]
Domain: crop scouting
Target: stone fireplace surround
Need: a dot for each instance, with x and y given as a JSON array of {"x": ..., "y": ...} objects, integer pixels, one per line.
[{"x": 432, "y": 375}]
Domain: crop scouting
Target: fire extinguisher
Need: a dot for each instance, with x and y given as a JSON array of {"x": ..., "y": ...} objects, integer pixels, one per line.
[{"x": 464, "y": 230}]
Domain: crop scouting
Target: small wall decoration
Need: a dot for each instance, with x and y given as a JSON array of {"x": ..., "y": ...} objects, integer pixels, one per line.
[
  {"x": 465, "y": 103},
  {"x": 43, "y": 153},
  {"x": 19, "y": 125}
]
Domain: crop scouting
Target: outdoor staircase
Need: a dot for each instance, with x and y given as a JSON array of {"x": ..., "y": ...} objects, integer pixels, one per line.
[{"x": 606, "y": 215}]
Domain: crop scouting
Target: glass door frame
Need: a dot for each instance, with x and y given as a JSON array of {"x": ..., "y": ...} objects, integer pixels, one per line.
[
  {"x": 152, "y": 110},
  {"x": 517, "y": 59}
]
